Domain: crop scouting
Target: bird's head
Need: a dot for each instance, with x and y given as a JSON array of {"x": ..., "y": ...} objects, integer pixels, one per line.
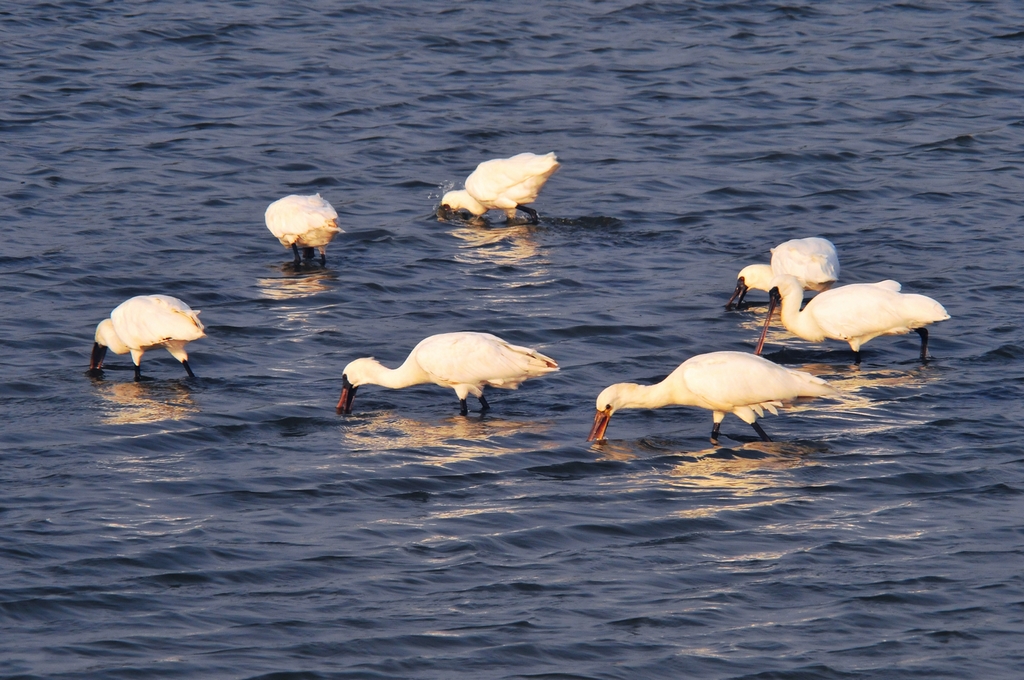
[
  {"x": 455, "y": 201},
  {"x": 610, "y": 400},
  {"x": 358, "y": 372},
  {"x": 784, "y": 285},
  {"x": 105, "y": 337},
  {"x": 754, "y": 276}
]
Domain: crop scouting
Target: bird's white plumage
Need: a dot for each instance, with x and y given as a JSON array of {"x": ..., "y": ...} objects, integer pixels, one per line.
[
  {"x": 148, "y": 322},
  {"x": 722, "y": 382},
  {"x": 303, "y": 221},
  {"x": 855, "y": 313},
  {"x": 503, "y": 184},
  {"x": 465, "y": 362},
  {"x": 813, "y": 261}
]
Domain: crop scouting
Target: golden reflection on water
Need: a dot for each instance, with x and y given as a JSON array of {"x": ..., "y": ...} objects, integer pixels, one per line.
[
  {"x": 292, "y": 284},
  {"x": 453, "y": 439},
  {"x": 507, "y": 245},
  {"x": 132, "y": 403}
]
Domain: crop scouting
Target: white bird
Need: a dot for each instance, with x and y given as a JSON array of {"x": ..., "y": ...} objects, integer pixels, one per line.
[
  {"x": 502, "y": 184},
  {"x": 305, "y": 222},
  {"x": 813, "y": 261},
  {"x": 466, "y": 362},
  {"x": 722, "y": 382},
  {"x": 855, "y": 313},
  {"x": 147, "y": 322}
]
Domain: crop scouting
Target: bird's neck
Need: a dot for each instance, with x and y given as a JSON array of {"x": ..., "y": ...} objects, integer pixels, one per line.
[
  {"x": 409, "y": 373},
  {"x": 664, "y": 393},
  {"x": 797, "y": 322},
  {"x": 462, "y": 199}
]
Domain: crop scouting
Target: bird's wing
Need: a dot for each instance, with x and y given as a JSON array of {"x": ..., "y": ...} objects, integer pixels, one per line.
[
  {"x": 507, "y": 182},
  {"x": 479, "y": 358},
  {"x": 812, "y": 260},
  {"x": 150, "y": 320},
  {"x": 293, "y": 216},
  {"x": 723, "y": 381},
  {"x": 862, "y": 310}
]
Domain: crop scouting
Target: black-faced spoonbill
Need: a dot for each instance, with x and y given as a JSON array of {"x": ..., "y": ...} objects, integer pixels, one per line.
[
  {"x": 305, "y": 222},
  {"x": 722, "y": 382},
  {"x": 147, "y": 322},
  {"x": 813, "y": 261},
  {"x": 502, "y": 184},
  {"x": 854, "y": 313},
  {"x": 466, "y": 362}
]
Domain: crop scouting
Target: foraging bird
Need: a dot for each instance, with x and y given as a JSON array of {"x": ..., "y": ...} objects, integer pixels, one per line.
[
  {"x": 466, "y": 362},
  {"x": 722, "y": 382},
  {"x": 147, "y": 322},
  {"x": 855, "y": 313},
  {"x": 305, "y": 222},
  {"x": 502, "y": 184},
  {"x": 813, "y": 261}
]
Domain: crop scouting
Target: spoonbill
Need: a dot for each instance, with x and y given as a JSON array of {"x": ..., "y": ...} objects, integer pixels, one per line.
[
  {"x": 722, "y": 382},
  {"x": 813, "y": 261},
  {"x": 305, "y": 222},
  {"x": 502, "y": 184},
  {"x": 855, "y": 313},
  {"x": 147, "y": 322},
  {"x": 466, "y": 362}
]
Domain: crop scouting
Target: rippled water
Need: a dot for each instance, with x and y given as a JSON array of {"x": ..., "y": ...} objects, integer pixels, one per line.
[{"x": 233, "y": 526}]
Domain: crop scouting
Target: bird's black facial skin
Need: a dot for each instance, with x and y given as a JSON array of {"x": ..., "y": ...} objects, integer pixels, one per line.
[{"x": 737, "y": 295}]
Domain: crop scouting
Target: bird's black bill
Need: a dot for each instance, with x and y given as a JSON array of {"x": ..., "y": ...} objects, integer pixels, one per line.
[
  {"x": 738, "y": 294},
  {"x": 99, "y": 352},
  {"x": 348, "y": 393},
  {"x": 923, "y": 332},
  {"x": 188, "y": 368},
  {"x": 444, "y": 212},
  {"x": 601, "y": 420},
  {"x": 534, "y": 217},
  {"x": 773, "y": 302}
]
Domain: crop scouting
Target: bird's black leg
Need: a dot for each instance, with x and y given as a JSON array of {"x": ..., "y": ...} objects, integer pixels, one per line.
[
  {"x": 138, "y": 373},
  {"x": 759, "y": 431},
  {"x": 923, "y": 332},
  {"x": 463, "y": 408},
  {"x": 534, "y": 217},
  {"x": 298, "y": 260},
  {"x": 323, "y": 257},
  {"x": 188, "y": 369},
  {"x": 484, "y": 406},
  {"x": 714, "y": 432},
  {"x": 307, "y": 253}
]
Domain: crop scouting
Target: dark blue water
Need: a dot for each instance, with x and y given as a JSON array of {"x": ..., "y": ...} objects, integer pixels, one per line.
[{"x": 233, "y": 526}]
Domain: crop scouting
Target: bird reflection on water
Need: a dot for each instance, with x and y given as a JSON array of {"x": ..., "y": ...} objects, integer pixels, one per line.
[
  {"x": 291, "y": 285},
  {"x": 505, "y": 245},
  {"x": 446, "y": 441},
  {"x": 132, "y": 403}
]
